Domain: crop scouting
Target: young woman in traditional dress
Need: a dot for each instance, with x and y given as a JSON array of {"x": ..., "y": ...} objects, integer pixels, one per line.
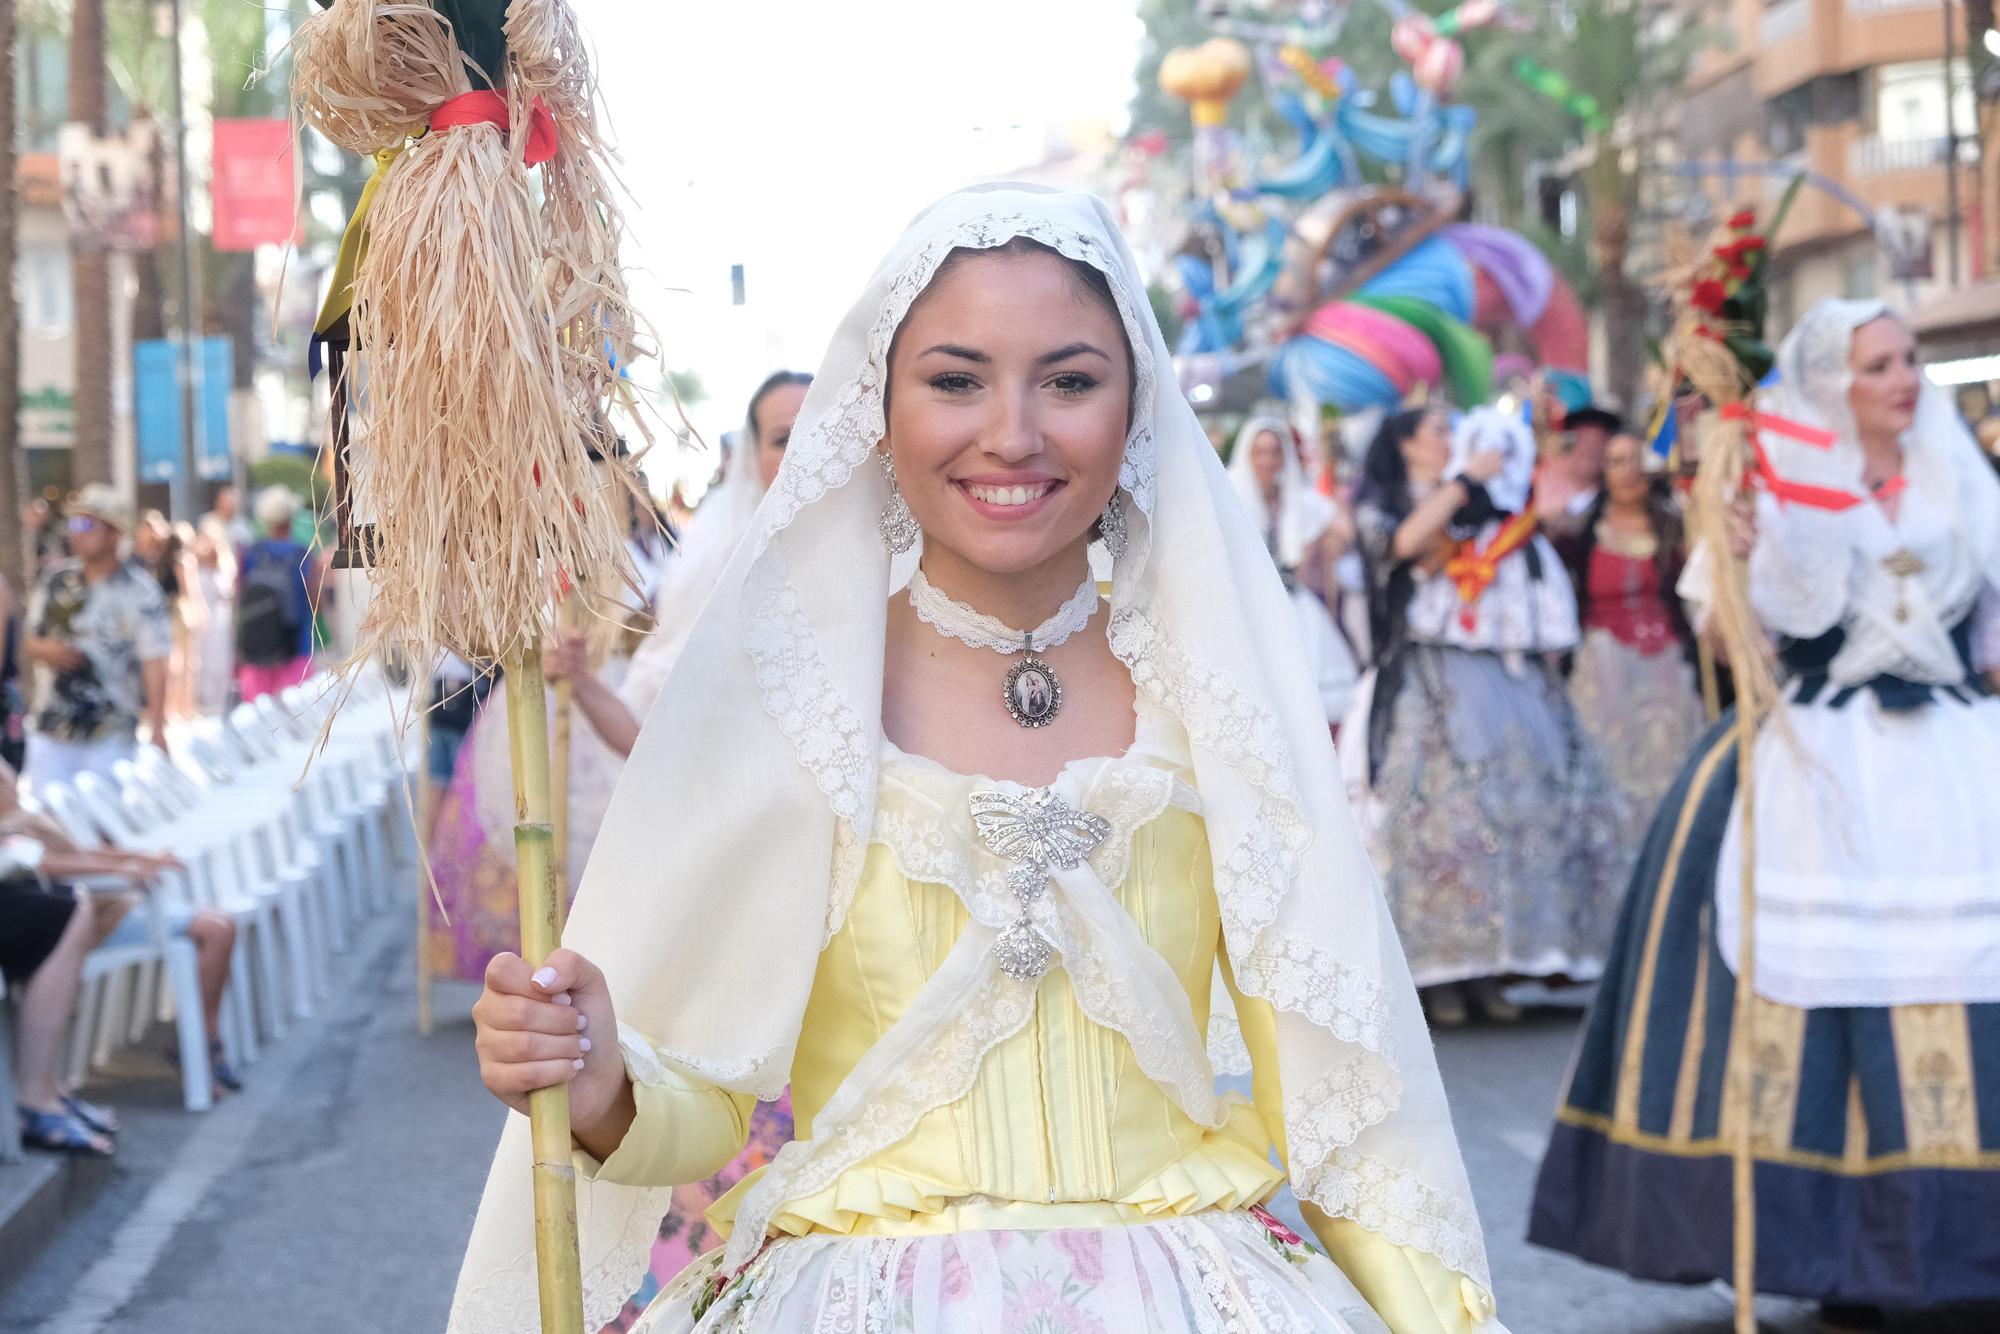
[
  {"x": 976, "y": 939},
  {"x": 1875, "y": 1028},
  {"x": 1492, "y": 817},
  {"x": 1299, "y": 526},
  {"x": 1633, "y": 677}
]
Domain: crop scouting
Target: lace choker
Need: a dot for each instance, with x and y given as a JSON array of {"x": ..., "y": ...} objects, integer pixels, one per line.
[{"x": 1032, "y": 692}]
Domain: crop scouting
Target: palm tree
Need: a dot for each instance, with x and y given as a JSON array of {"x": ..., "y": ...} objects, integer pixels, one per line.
[
  {"x": 1517, "y": 127},
  {"x": 1607, "y": 64},
  {"x": 90, "y": 263},
  {"x": 11, "y": 461},
  {"x": 1610, "y": 52}
]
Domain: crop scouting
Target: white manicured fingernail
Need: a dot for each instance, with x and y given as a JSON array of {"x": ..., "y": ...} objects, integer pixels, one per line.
[
  {"x": 582, "y": 1022},
  {"x": 563, "y": 998},
  {"x": 577, "y": 1064},
  {"x": 583, "y": 1044},
  {"x": 544, "y": 978}
]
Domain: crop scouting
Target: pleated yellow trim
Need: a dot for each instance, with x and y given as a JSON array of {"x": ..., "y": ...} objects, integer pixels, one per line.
[{"x": 1229, "y": 1169}]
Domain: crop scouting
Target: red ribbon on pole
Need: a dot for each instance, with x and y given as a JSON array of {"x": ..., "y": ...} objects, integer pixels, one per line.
[
  {"x": 486, "y": 107},
  {"x": 1817, "y": 437},
  {"x": 1783, "y": 489}
]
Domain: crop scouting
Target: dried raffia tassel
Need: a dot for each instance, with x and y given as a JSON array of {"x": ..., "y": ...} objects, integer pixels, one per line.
[
  {"x": 481, "y": 486},
  {"x": 486, "y": 355},
  {"x": 548, "y": 66},
  {"x": 368, "y": 75},
  {"x": 492, "y": 324},
  {"x": 1696, "y": 348}
]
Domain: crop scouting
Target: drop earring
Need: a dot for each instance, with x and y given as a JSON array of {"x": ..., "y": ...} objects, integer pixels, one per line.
[
  {"x": 897, "y": 525},
  {"x": 1111, "y": 527}
]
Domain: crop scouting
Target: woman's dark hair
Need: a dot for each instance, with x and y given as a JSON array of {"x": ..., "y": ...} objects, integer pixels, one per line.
[
  {"x": 1669, "y": 556},
  {"x": 775, "y": 380},
  {"x": 1385, "y": 477},
  {"x": 1090, "y": 283},
  {"x": 1669, "y": 535}
]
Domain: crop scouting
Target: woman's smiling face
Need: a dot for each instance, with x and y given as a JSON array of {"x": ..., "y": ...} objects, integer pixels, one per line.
[{"x": 1010, "y": 392}]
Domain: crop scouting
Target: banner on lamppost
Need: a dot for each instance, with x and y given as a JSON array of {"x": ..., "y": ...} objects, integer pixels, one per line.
[
  {"x": 109, "y": 190},
  {"x": 1903, "y": 233},
  {"x": 251, "y": 184},
  {"x": 156, "y": 408}
]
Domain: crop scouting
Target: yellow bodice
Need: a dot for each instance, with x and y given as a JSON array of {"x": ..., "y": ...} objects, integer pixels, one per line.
[{"x": 1061, "y": 1127}]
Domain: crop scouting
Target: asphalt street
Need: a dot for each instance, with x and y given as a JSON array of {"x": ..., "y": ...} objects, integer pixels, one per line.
[{"x": 335, "y": 1195}]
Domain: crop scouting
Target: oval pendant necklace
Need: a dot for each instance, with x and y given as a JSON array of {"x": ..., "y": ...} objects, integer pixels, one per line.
[{"x": 1031, "y": 692}]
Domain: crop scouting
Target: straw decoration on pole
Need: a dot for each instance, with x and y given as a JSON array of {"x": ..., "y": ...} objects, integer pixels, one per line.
[
  {"x": 1716, "y": 349},
  {"x": 479, "y": 324}
]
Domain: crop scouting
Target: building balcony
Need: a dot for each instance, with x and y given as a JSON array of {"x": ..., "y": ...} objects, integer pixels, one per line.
[
  {"x": 1874, "y": 156},
  {"x": 1797, "y": 40},
  {"x": 1784, "y": 21}
]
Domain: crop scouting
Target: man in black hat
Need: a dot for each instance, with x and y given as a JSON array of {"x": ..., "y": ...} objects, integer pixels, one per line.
[{"x": 1566, "y": 487}]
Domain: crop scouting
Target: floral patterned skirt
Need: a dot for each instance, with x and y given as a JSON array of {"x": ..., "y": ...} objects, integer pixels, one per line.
[
  {"x": 1238, "y": 1271},
  {"x": 685, "y": 1234},
  {"x": 1644, "y": 711},
  {"x": 1494, "y": 822}
]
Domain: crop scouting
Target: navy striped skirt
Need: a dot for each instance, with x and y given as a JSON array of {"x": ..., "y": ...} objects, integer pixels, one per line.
[{"x": 1876, "y": 1130}]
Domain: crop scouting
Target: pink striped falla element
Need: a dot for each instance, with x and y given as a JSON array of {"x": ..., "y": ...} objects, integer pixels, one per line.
[{"x": 1396, "y": 349}]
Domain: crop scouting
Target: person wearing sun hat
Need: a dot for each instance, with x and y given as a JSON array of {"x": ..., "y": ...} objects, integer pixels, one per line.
[
  {"x": 1567, "y": 484},
  {"x": 98, "y": 636}
]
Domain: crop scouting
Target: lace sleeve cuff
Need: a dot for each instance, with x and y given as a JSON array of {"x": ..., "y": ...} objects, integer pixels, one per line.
[
  {"x": 1412, "y": 1290},
  {"x": 684, "y": 1130}
]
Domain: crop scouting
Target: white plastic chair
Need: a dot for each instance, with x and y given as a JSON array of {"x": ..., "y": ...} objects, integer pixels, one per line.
[
  {"x": 262, "y": 862},
  {"x": 171, "y": 950},
  {"x": 10, "y": 1125},
  {"x": 156, "y": 811}
]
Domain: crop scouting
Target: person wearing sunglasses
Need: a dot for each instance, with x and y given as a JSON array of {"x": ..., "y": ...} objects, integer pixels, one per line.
[{"x": 98, "y": 638}]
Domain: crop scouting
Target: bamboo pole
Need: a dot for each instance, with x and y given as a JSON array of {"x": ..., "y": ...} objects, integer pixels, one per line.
[
  {"x": 558, "y": 1269},
  {"x": 567, "y": 617},
  {"x": 1743, "y": 1162},
  {"x": 427, "y": 798}
]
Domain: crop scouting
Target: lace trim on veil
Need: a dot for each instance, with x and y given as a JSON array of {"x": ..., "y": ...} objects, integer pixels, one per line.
[
  {"x": 1289, "y": 971},
  {"x": 1397, "y": 1206},
  {"x": 857, "y": 423},
  {"x": 506, "y": 1301}
]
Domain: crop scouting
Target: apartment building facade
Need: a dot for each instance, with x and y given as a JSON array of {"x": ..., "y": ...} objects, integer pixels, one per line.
[{"x": 1874, "y": 100}]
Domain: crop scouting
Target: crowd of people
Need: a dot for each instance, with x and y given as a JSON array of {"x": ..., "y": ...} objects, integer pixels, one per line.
[
  {"x": 1505, "y": 629},
  {"x": 132, "y": 626},
  {"x": 1040, "y": 776},
  {"x": 132, "y": 623}
]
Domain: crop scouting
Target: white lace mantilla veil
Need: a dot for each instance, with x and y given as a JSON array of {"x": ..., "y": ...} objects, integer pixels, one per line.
[
  {"x": 733, "y": 846},
  {"x": 1815, "y": 569},
  {"x": 1303, "y": 513}
]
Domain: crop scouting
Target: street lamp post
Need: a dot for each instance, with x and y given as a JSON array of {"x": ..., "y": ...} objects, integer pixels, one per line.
[
  {"x": 1952, "y": 222},
  {"x": 186, "y": 338}
]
